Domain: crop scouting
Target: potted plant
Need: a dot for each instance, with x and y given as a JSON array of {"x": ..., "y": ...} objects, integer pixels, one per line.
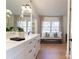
[{"x": 14, "y": 32}]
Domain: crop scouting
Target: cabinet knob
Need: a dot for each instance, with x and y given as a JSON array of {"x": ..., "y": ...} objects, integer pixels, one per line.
[{"x": 30, "y": 51}]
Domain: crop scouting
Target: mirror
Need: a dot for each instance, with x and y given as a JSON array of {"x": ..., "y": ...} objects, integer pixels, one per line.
[
  {"x": 9, "y": 18},
  {"x": 20, "y": 21}
]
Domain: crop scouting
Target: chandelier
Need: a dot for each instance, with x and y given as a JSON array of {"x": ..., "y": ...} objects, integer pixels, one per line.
[{"x": 26, "y": 9}]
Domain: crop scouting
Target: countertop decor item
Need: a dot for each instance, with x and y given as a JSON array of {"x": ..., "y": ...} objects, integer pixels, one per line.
[
  {"x": 18, "y": 29},
  {"x": 55, "y": 35},
  {"x": 17, "y": 39},
  {"x": 9, "y": 28},
  {"x": 46, "y": 34}
]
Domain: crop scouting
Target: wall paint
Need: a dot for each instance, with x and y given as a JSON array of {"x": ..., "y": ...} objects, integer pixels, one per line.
[
  {"x": 65, "y": 24},
  {"x": 39, "y": 24},
  {"x": 64, "y": 27}
]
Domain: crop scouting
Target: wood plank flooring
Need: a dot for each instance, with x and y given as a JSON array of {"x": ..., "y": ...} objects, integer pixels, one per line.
[{"x": 52, "y": 51}]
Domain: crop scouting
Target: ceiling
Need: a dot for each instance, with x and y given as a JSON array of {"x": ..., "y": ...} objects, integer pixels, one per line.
[
  {"x": 15, "y": 5},
  {"x": 42, "y": 7}
]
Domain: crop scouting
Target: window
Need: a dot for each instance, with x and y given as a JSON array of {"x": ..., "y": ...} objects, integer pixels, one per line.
[
  {"x": 22, "y": 24},
  {"x": 46, "y": 27},
  {"x": 55, "y": 26},
  {"x": 29, "y": 26},
  {"x": 50, "y": 27}
]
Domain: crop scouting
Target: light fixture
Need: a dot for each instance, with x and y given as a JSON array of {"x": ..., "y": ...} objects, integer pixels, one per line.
[
  {"x": 8, "y": 13},
  {"x": 25, "y": 9}
]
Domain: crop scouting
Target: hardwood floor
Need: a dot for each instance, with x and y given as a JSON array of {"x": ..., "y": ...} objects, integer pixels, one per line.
[{"x": 52, "y": 51}]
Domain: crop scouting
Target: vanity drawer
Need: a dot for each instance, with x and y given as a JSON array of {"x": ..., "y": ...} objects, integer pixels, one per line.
[
  {"x": 29, "y": 43},
  {"x": 29, "y": 53},
  {"x": 10, "y": 54},
  {"x": 20, "y": 55},
  {"x": 17, "y": 49}
]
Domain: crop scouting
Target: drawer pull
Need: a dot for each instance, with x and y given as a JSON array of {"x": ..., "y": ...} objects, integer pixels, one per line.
[
  {"x": 34, "y": 46},
  {"x": 30, "y": 51},
  {"x": 38, "y": 40},
  {"x": 30, "y": 42}
]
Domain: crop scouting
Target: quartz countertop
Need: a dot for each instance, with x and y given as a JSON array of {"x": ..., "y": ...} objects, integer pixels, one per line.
[{"x": 11, "y": 44}]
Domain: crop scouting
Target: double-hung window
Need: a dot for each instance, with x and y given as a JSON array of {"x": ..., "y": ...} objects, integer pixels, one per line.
[
  {"x": 25, "y": 24},
  {"x": 55, "y": 26},
  {"x": 51, "y": 25},
  {"x": 22, "y": 24},
  {"x": 29, "y": 27},
  {"x": 45, "y": 27}
]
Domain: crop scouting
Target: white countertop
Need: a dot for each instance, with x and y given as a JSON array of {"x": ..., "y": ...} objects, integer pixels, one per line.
[{"x": 11, "y": 44}]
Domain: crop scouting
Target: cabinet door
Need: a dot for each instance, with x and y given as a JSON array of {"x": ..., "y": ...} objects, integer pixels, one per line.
[
  {"x": 20, "y": 55},
  {"x": 37, "y": 46},
  {"x": 29, "y": 54},
  {"x": 9, "y": 55}
]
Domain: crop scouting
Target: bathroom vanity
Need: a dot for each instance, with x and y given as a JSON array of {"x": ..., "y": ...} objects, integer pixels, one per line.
[{"x": 25, "y": 49}]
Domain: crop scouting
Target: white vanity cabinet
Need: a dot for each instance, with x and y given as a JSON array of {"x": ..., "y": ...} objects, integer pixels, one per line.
[
  {"x": 37, "y": 46},
  {"x": 32, "y": 48},
  {"x": 26, "y": 50},
  {"x": 29, "y": 49},
  {"x": 20, "y": 55},
  {"x": 16, "y": 52}
]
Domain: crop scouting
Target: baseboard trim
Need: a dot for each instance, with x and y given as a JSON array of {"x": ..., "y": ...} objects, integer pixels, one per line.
[{"x": 52, "y": 41}]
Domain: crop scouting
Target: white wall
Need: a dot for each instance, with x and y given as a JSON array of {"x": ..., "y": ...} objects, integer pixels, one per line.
[
  {"x": 65, "y": 24},
  {"x": 64, "y": 27}
]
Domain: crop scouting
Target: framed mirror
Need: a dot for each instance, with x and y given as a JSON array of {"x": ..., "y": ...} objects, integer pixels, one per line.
[{"x": 20, "y": 20}]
